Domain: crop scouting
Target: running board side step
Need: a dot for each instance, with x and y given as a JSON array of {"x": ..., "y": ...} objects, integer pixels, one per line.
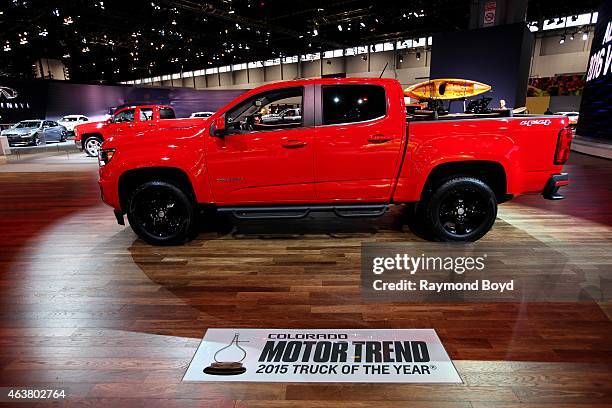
[{"x": 301, "y": 211}]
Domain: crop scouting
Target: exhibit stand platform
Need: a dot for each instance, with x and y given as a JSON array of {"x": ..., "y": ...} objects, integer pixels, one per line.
[{"x": 593, "y": 147}]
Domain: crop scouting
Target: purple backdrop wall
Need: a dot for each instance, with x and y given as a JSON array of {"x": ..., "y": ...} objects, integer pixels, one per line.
[{"x": 95, "y": 101}]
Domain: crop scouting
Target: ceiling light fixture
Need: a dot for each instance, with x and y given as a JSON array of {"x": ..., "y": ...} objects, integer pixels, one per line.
[
  {"x": 562, "y": 40},
  {"x": 585, "y": 36},
  {"x": 339, "y": 27}
]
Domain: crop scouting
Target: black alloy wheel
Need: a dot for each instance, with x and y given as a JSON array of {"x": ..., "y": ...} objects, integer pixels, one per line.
[
  {"x": 461, "y": 209},
  {"x": 161, "y": 213}
]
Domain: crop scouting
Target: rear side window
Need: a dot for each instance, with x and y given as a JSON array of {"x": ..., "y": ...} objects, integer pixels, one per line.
[
  {"x": 146, "y": 114},
  {"x": 353, "y": 103},
  {"x": 166, "y": 113}
]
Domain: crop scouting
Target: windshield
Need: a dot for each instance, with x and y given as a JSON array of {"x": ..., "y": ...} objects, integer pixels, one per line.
[
  {"x": 69, "y": 119},
  {"x": 28, "y": 124}
]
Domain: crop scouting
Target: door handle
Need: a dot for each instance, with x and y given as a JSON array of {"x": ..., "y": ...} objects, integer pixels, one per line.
[
  {"x": 379, "y": 138},
  {"x": 293, "y": 144}
]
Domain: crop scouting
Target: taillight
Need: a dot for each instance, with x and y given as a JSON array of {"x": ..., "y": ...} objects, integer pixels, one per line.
[{"x": 563, "y": 145}]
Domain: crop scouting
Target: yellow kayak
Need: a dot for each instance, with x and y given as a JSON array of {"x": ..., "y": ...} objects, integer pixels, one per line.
[{"x": 446, "y": 89}]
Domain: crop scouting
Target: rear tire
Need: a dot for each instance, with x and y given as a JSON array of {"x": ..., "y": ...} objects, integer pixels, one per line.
[
  {"x": 461, "y": 209},
  {"x": 91, "y": 145},
  {"x": 162, "y": 214}
]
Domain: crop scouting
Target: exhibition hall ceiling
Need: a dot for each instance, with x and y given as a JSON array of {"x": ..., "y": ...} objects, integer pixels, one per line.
[{"x": 110, "y": 40}]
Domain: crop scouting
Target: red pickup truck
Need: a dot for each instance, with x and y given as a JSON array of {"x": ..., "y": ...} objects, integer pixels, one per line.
[
  {"x": 90, "y": 136},
  {"x": 355, "y": 151}
]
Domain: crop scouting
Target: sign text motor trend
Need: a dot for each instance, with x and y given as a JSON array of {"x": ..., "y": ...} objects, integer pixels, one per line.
[{"x": 342, "y": 351}]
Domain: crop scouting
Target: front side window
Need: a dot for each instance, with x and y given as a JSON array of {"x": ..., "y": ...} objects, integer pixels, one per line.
[
  {"x": 146, "y": 114},
  {"x": 124, "y": 116},
  {"x": 266, "y": 111},
  {"x": 166, "y": 113},
  {"x": 353, "y": 103}
]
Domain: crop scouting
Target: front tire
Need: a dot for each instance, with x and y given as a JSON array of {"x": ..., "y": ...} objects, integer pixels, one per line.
[
  {"x": 38, "y": 140},
  {"x": 91, "y": 145},
  {"x": 162, "y": 214},
  {"x": 461, "y": 209}
]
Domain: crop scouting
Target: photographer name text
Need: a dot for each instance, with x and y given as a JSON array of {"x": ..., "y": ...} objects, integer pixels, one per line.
[{"x": 439, "y": 287}]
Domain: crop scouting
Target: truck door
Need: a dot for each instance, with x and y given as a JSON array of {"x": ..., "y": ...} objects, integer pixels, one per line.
[
  {"x": 262, "y": 158},
  {"x": 122, "y": 121},
  {"x": 145, "y": 121},
  {"x": 359, "y": 137}
]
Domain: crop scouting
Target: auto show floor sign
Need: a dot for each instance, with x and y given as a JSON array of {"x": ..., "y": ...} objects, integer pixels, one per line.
[{"x": 360, "y": 356}]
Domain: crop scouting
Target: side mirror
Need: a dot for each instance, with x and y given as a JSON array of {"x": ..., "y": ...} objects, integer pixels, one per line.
[{"x": 219, "y": 126}]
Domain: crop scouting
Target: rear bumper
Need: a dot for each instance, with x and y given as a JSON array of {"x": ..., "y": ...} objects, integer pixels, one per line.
[{"x": 556, "y": 181}]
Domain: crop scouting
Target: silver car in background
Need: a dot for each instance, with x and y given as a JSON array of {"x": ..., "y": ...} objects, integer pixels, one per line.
[{"x": 35, "y": 133}]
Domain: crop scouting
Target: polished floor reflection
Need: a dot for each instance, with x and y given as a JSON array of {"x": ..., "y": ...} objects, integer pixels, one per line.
[{"x": 86, "y": 305}]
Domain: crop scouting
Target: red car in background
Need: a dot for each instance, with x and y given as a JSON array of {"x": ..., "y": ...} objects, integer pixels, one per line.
[
  {"x": 90, "y": 136},
  {"x": 355, "y": 151}
]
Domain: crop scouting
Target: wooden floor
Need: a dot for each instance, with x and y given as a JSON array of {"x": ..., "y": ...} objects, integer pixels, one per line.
[{"x": 87, "y": 306}]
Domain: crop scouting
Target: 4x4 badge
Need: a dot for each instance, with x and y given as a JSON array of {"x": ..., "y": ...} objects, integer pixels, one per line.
[{"x": 229, "y": 179}]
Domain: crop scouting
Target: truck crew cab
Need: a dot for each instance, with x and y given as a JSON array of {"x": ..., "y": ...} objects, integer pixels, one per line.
[{"x": 354, "y": 152}]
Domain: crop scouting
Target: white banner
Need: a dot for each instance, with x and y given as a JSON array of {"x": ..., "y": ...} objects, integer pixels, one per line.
[{"x": 322, "y": 355}]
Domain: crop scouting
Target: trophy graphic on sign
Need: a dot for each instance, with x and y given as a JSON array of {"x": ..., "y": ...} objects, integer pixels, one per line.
[{"x": 228, "y": 360}]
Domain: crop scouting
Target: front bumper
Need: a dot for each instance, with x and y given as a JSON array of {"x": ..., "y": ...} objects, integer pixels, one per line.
[
  {"x": 20, "y": 141},
  {"x": 556, "y": 181}
]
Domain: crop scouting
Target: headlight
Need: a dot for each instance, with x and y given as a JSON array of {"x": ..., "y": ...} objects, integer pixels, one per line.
[{"x": 105, "y": 156}]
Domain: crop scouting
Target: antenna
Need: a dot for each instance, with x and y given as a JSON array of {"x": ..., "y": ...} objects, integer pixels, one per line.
[{"x": 383, "y": 71}]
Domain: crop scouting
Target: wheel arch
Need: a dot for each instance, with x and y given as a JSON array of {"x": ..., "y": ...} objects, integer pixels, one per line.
[
  {"x": 490, "y": 172},
  {"x": 86, "y": 136},
  {"x": 133, "y": 178}
]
